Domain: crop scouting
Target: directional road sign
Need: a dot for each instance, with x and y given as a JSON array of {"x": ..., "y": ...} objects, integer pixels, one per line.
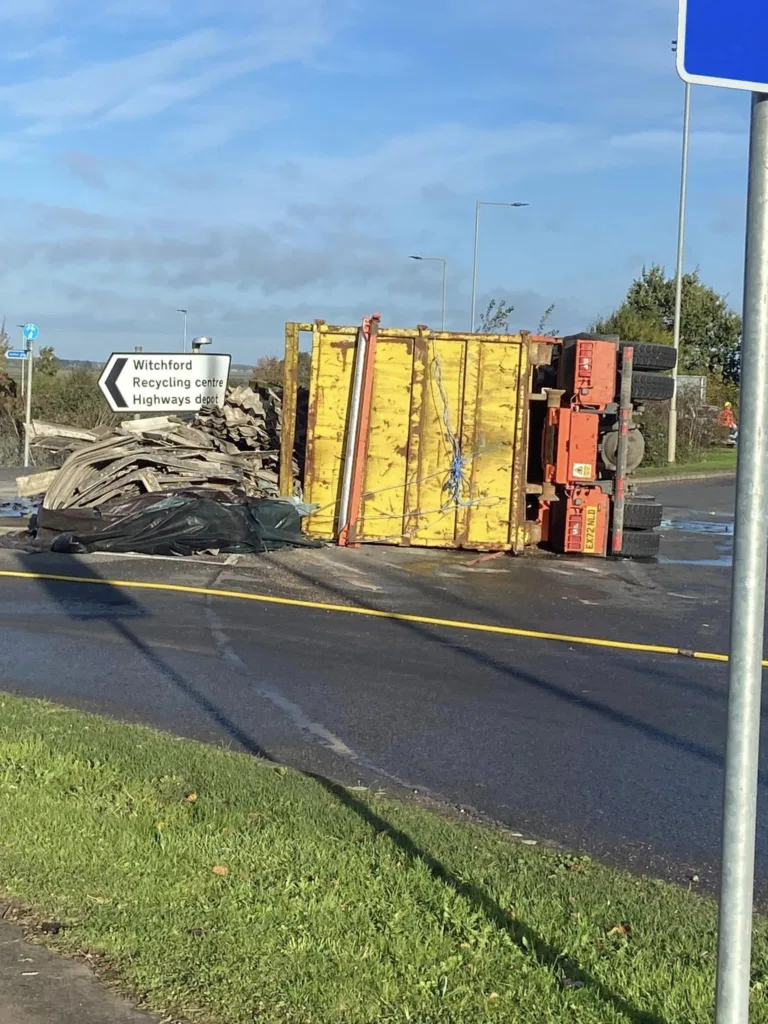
[
  {"x": 30, "y": 332},
  {"x": 724, "y": 42},
  {"x": 16, "y": 353},
  {"x": 163, "y": 382}
]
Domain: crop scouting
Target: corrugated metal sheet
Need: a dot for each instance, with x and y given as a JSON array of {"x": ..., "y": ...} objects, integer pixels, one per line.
[{"x": 447, "y": 446}]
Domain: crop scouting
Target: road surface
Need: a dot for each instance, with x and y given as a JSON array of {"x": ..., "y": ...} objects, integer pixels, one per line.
[{"x": 609, "y": 751}]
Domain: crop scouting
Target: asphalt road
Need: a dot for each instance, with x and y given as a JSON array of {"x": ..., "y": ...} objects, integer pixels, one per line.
[{"x": 608, "y": 751}]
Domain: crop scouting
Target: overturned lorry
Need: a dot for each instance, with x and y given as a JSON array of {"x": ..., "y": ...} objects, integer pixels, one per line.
[{"x": 488, "y": 442}]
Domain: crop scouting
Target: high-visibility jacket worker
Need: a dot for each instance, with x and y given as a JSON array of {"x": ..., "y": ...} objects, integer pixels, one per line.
[{"x": 725, "y": 417}]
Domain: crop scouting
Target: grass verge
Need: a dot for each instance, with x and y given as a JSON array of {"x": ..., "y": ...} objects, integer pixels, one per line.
[
  {"x": 717, "y": 460},
  {"x": 220, "y": 888}
]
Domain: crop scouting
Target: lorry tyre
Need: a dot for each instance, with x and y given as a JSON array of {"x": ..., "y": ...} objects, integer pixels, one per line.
[
  {"x": 609, "y": 445},
  {"x": 651, "y": 387},
  {"x": 640, "y": 544},
  {"x": 586, "y": 336},
  {"x": 642, "y": 515},
  {"x": 646, "y": 356}
]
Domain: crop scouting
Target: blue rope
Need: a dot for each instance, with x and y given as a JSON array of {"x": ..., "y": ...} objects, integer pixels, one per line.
[{"x": 457, "y": 482}]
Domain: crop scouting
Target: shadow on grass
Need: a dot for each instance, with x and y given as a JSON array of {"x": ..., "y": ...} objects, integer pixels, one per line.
[
  {"x": 568, "y": 971},
  {"x": 112, "y": 603}
]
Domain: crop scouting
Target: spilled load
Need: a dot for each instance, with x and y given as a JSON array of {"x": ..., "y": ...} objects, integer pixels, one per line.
[{"x": 161, "y": 485}]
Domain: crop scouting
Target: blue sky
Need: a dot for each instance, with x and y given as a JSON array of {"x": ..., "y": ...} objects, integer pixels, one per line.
[{"x": 263, "y": 160}]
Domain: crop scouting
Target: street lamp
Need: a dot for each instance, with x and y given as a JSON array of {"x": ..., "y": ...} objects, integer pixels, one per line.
[
  {"x": 672, "y": 423},
  {"x": 184, "y": 311},
  {"x": 478, "y": 204},
  {"x": 436, "y": 259}
]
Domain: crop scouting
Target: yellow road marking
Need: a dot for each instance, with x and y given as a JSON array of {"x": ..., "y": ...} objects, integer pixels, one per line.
[{"x": 375, "y": 613}]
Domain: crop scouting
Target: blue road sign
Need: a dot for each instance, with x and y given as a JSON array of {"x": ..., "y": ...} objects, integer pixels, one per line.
[
  {"x": 724, "y": 42},
  {"x": 16, "y": 353},
  {"x": 30, "y": 332}
]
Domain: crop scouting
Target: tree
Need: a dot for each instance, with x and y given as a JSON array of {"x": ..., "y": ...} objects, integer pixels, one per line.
[
  {"x": 542, "y": 328},
  {"x": 10, "y": 407},
  {"x": 46, "y": 363},
  {"x": 270, "y": 369},
  {"x": 495, "y": 320},
  {"x": 710, "y": 331}
]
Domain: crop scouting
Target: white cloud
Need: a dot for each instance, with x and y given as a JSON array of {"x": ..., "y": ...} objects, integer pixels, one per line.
[
  {"x": 147, "y": 83},
  {"x": 47, "y": 48},
  {"x": 26, "y": 10},
  {"x": 100, "y": 87},
  {"x": 724, "y": 145}
]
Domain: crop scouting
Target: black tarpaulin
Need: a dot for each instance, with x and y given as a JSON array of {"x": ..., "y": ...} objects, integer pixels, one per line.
[{"x": 177, "y": 523}]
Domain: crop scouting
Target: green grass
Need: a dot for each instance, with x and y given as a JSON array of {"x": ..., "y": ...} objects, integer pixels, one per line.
[
  {"x": 715, "y": 460},
  {"x": 335, "y": 905}
]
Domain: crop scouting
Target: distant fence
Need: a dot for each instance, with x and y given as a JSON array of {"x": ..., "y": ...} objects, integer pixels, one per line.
[{"x": 692, "y": 386}]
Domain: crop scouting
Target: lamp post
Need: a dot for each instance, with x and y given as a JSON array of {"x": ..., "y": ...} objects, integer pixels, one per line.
[
  {"x": 672, "y": 424},
  {"x": 478, "y": 204},
  {"x": 184, "y": 311},
  {"x": 437, "y": 259}
]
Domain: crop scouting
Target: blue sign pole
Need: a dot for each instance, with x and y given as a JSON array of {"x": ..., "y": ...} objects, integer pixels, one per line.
[{"x": 725, "y": 43}]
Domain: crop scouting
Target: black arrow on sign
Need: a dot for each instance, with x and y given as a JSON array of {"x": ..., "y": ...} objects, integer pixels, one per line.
[{"x": 111, "y": 384}]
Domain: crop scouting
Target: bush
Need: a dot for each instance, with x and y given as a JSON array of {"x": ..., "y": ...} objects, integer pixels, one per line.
[
  {"x": 697, "y": 429},
  {"x": 72, "y": 397}
]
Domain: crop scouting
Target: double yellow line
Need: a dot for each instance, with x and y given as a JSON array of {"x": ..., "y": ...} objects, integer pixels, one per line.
[{"x": 373, "y": 613}]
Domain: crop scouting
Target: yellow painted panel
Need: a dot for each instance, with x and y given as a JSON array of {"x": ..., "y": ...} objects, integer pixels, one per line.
[
  {"x": 470, "y": 443},
  {"x": 441, "y": 387},
  {"x": 495, "y": 416},
  {"x": 331, "y": 386},
  {"x": 428, "y": 390},
  {"x": 386, "y": 462},
  {"x": 419, "y": 393}
]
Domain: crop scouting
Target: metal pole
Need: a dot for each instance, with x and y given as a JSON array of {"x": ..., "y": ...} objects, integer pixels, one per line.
[
  {"x": 747, "y": 602},
  {"x": 620, "y": 479},
  {"x": 445, "y": 265},
  {"x": 28, "y": 415},
  {"x": 672, "y": 429},
  {"x": 478, "y": 204},
  {"x": 354, "y": 417},
  {"x": 184, "y": 312},
  {"x": 23, "y": 367}
]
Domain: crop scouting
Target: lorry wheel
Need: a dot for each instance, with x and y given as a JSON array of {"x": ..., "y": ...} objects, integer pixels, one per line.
[
  {"x": 647, "y": 356},
  {"x": 639, "y": 544},
  {"x": 642, "y": 515},
  {"x": 586, "y": 336},
  {"x": 609, "y": 446},
  {"x": 651, "y": 386}
]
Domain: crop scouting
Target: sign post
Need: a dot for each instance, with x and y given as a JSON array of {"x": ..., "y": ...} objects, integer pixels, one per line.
[
  {"x": 164, "y": 381},
  {"x": 726, "y": 44},
  {"x": 30, "y": 333}
]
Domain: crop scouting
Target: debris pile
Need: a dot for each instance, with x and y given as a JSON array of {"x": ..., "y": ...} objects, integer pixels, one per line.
[
  {"x": 248, "y": 421},
  {"x": 232, "y": 450},
  {"x": 56, "y": 442}
]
